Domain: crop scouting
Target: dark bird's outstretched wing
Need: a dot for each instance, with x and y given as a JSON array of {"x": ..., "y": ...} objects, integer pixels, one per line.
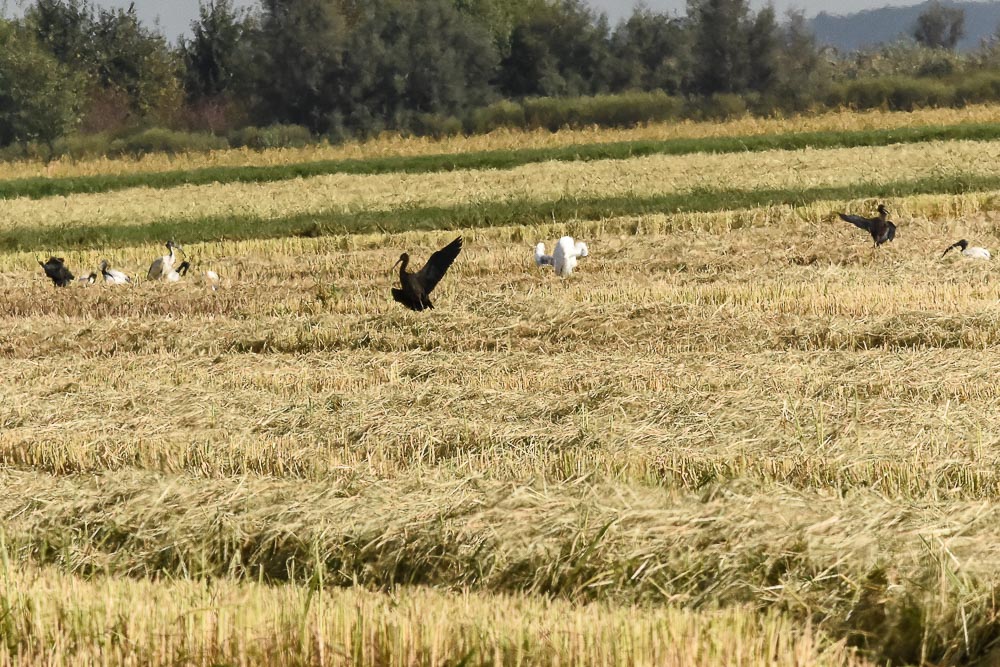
[
  {"x": 890, "y": 233},
  {"x": 857, "y": 221},
  {"x": 57, "y": 271},
  {"x": 438, "y": 264},
  {"x": 402, "y": 297}
]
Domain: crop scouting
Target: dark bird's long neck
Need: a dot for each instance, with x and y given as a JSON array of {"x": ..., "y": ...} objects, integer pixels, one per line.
[{"x": 403, "y": 263}]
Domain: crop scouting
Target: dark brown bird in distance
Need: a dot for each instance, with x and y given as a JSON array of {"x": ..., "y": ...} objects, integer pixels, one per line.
[
  {"x": 880, "y": 228},
  {"x": 56, "y": 269},
  {"x": 415, "y": 287}
]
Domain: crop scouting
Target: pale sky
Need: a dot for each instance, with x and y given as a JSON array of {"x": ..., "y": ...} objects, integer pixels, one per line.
[
  {"x": 616, "y": 9},
  {"x": 175, "y": 16}
]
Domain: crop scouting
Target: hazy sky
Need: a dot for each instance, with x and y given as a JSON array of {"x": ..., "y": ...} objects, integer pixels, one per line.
[
  {"x": 616, "y": 9},
  {"x": 175, "y": 16}
]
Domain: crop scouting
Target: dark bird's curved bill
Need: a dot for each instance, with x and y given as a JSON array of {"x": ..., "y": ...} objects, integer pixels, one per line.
[{"x": 415, "y": 287}]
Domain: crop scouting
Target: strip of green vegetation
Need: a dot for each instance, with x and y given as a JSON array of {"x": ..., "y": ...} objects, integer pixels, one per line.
[
  {"x": 493, "y": 214},
  {"x": 37, "y": 188}
]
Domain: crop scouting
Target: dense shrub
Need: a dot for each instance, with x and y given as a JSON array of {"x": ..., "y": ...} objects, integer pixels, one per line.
[
  {"x": 272, "y": 136},
  {"x": 160, "y": 140},
  {"x": 719, "y": 106},
  {"x": 978, "y": 88},
  {"x": 895, "y": 93},
  {"x": 504, "y": 113},
  {"x": 553, "y": 113}
]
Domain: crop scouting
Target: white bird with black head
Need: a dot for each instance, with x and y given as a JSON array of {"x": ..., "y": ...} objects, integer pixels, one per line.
[
  {"x": 162, "y": 268},
  {"x": 541, "y": 259},
  {"x": 113, "y": 276},
  {"x": 970, "y": 251}
]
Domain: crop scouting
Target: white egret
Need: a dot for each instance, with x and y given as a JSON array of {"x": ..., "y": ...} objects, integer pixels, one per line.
[{"x": 565, "y": 255}]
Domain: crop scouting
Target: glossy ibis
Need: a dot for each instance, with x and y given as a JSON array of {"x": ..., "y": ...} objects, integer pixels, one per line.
[
  {"x": 415, "y": 287},
  {"x": 880, "y": 228},
  {"x": 565, "y": 255},
  {"x": 56, "y": 269},
  {"x": 113, "y": 276},
  {"x": 975, "y": 252},
  {"x": 162, "y": 267}
]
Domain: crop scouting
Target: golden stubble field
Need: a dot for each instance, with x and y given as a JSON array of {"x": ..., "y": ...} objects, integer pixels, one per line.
[{"x": 740, "y": 437}]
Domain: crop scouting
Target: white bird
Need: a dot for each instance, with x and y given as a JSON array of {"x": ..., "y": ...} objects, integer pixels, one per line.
[
  {"x": 565, "y": 255},
  {"x": 975, "y": 252},
  {"x": 162, "y": 268},
  {"x": 174, "y": 275},
  {"x": 88, "y": 279},
  {"x": 113, "y": 276},
  {"x": 541, "y": 259}
]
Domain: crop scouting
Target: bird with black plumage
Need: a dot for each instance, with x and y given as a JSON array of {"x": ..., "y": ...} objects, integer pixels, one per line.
[
  {"x": 880, "y": 227},
  {"x": 415, "y": 287},
  {"x": 56, "y": 270}
]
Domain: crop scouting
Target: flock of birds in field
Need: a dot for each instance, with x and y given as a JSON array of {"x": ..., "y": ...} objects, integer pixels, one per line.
[
  {"x": 162, "y": 268},
  {"x": 882, "y": 229},
  {"x": 415, "y": 287}
]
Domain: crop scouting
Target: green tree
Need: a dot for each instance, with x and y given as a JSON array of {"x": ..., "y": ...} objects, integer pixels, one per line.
[
  {"x": 763, "y": 45},
  {"x": 39, "y": 97},
  {"x": 65, "y": 29},
  {"x": 558, "y": 48},
  {"x": 649, "y": 52},
  {"x": 217, "y": 59},
  {"x": 123, "y": 62},
  {"x": 137, "y": 62},
  {"x": 299, "y": 65},
  {"x": 802, "y": 75},
  {"x": 940, "y": 27},
  {"x": 720, "y": 46},
  {"x": 499, "y": 17},
  {"x": 407, "y": 59}
]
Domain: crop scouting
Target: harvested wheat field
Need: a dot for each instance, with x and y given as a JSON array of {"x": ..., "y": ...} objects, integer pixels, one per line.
[{"x": 736, "y": 434}]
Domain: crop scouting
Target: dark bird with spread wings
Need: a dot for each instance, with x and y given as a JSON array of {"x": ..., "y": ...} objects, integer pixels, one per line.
[
  {"x": 415, "y": 287},
  {"x": 56, "y": 269},
  {"x": 881, "y": 228}
]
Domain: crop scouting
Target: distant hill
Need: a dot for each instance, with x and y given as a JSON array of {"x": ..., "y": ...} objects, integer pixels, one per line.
[{"x": 875, "y": 26}]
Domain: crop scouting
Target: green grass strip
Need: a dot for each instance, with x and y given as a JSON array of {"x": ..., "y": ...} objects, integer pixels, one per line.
[
  {"x": 500, "y": 213},
  {"x": 37, "y": 188}
]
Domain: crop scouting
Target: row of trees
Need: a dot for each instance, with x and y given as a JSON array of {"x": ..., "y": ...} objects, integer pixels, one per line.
[{"x": 341, "y": 67}]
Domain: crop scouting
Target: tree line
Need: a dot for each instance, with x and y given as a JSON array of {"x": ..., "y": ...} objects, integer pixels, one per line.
[{"x": 342, "y": 68}]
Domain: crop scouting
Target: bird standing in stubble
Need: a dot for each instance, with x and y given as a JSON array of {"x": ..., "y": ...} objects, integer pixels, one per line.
[
  {"x": 415, "y": 286},
  {"x": 56, "y": 270},
  {"x": 880, "y": 228}
]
